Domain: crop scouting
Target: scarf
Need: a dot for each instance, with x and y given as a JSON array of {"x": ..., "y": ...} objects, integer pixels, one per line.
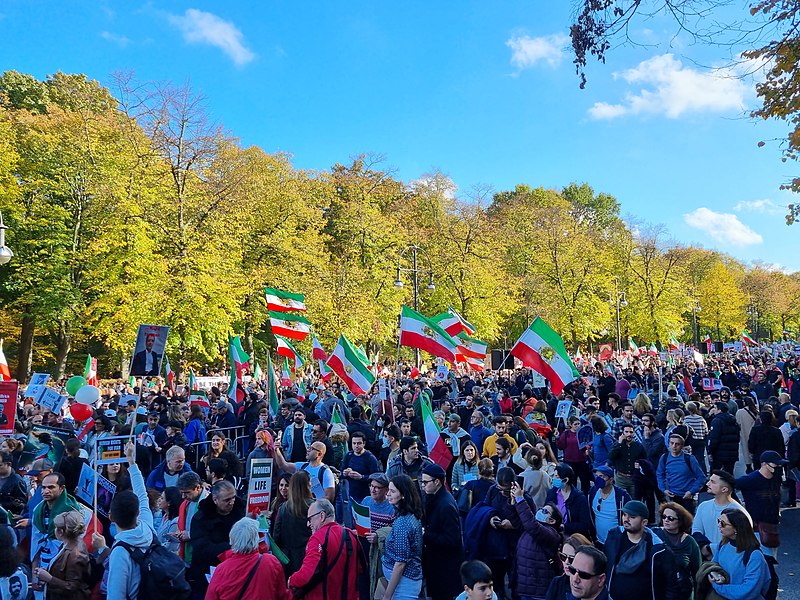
[{"x": 64, "y": 503}]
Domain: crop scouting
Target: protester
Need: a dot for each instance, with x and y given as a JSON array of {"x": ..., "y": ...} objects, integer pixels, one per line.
[
  {"x": 747, "y": 579},
  {"x": 605, "y": 503},
  {"x": 66, "y": 577},
  {"x": 761, "y": 491},
  {"x": 465, "y": 467},
  {"x": 169, "y": 504},
  {"x": 571, "y": 502},
  {"x": 560, "y": 585},
  {"x": 291, "y": 530},
  {"x": 192, "y": 491},
  {"x": 679, "y": 475},
  {"x": 166, "y": 474},
  {"x": 721, "y": 485},
  {"x": 443, "y": 549},
  {"x": 402, "y": 557},
  {"x": 323, "y": 484},
  {"x": 13, "y": 575},
  {"x": 675, "y": 532},
  {"x": 476, "y": 578}
]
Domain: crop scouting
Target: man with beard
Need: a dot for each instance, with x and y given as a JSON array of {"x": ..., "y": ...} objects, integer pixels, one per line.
[
  {"x": 297, "y": 437},
  {"x": 443, "y": 549}
]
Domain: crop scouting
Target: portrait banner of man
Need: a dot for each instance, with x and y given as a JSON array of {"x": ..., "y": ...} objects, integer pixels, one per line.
[{"x": 149, "y": 350}]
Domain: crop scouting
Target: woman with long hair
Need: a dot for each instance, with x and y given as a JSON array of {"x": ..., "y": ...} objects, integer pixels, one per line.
[
  {"x": 195, "y": 430},
  {"x": 676, "y": 533},
  {"x": 602, "y": 441},
  {"x": 549, "y": 460},
  {"x": 219, "y": 449},
  {"x": 279, "y": 499},
  {"x": 536, "y": 547},
  {"x": 642, "y": 404},
  {"x": 66, "y": 578},
  {"x": 169, "y": 503},
  {"x": 575, "y": 456},
  {"x": 536, "y": 481},
  {"x": 522, "y": 433},
  {"x": 402, "y": 557},
  {"x": 478, "y": 488},
  {"x": 13, "y": 576},
  {"x": 466, "y": 466},
  {"x": 746, "y": 419},
  {"x": 118, "y": 475},
  {"x": 291, "y": 525},
  {"x": 746, "y": 581}
]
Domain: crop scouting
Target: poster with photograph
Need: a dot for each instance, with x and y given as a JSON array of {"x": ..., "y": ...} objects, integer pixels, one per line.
[
  {"x": 36, "y": 385},
  {"x": 8, "y": 406},
  {"x": 51, "y": 400},
  {"x": 43, "y": 442},
  {"x": 105, "y": 490},
  {"x": 149, "y": 350}
]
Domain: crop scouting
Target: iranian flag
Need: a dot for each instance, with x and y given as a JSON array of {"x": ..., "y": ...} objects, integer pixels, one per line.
[
  {"x": 652, "y": 350},
  {"x": 633, "y": 348},
  {"x": 258, "y": 374},
  {"x": 286, "y": 377},
  {"x": 336, "y": 417},
  {"x": 417, "y": 331},
  {"x": 289, "y": 325},
  {"x": 707, "y": 342},
  {"x": 196, "y": 395},
  {"x": 453, "y": 323},
  {"x": 438, "y": 451},
  {"x": 361, "y": 519},
  {"x": 470, "y": 347},
  {"x": 280, "y": 301},
  {"x": 286, "y": 349},
  {"x": 240, "y": 361},
  {"x": 543, "y": 350},
  {"x": 352, "y": 367},
  {"x": 476, "y": 364},
  {"x": 318, "y": 353},
  {"x": 169, "y": 375},
  {"x": 90, "y": 370},
  {"x": 5, "y": 372},
  {"x": 301, "y": 391},
  {"x": 673, "y": 343},
  {"x": 747, "y": 339},
  {"x": 606, "y": 351},
  {"x": 272, "y": 389}
]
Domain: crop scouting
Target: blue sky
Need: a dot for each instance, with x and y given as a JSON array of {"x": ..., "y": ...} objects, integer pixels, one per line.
[{"x": 484, "y": 92}]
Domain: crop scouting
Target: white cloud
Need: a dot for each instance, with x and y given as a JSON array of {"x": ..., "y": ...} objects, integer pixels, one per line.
[
  {"x": 765, "y": 206},
  {"x": 725, "y": 228},
  {"x": 673, "y": 90},
  {"x": 527, "y": 52},
  {"x": 120, "y": 40},
  {"x": 201, "y": 27}
]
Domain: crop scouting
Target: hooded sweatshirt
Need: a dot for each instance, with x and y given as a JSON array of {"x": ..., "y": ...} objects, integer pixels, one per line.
[{"x": 124, "y": 578}]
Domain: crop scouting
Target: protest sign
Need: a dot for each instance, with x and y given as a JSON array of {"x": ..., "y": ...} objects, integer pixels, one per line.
[
  {"x": 585, "y": 437},
  {"x": 737, "y": 346},
  {"x": 105, "y": 494},
  {"x": 562, "y": 410},
  {"x": 149, "y": 350},
  {"x": 8, "y": 406},
  {"x": 43, "y": 442},
  {"x": 539, "y": 381},
  {"x": 260, "y": 486},
  {"x": 382, "y": 391},
  {"x": 111, "y": 450},
  {"x": 36, "y": 385},
  {"x": 707, "y": 383},
  {"x": 728, "y": 346},
  {"x": 716, "y": 384},
  {"x": 86, "y": 490},
  {"x": 442, "y": 372},
  {"x": 51, "y": 400}
]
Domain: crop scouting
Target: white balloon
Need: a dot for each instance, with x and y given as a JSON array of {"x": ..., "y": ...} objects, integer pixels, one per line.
[{"x": 88, "y": 395}]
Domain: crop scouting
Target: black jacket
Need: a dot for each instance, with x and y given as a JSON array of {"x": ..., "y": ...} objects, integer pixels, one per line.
[
  {"x": 443, "y": 549},
  {"x": 577, "y": 519},
  {"x": 14, "y": 494},
  {"x": 763, "y": 438},
  {"x": 723, "y": 439},
  {"x": 663, "y": 573},
  {"x": 210, "y": 533}
]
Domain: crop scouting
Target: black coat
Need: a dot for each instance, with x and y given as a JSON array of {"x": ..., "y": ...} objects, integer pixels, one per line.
[
  {"x": 723, "y": 439},
  {"x": 210, "y": 533},
  {"x": 763, "y": 438},
  {"x": 443, "y": 550},
  {"x": 661, "y": 563}
]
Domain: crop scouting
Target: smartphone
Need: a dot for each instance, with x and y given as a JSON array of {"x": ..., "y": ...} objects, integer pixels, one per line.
[{"x": 521, "y": 481}]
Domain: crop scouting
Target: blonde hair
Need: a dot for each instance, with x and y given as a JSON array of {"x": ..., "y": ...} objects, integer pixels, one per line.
[
  {"x": 642, "y": 404},
  {"x": 71, "y": 523},
  {"x": 791, "y": 416}
]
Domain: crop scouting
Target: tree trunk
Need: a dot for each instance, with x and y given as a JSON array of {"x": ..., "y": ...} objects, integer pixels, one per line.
[
  {"x": 25, "y": 353},
  {"x": 63, "y": 341}
]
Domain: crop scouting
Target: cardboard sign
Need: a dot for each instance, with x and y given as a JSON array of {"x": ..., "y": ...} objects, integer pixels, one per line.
[
  {"x": 149, "y": 350},
  {"x": 85, "y": 490},
  {"x": 539, "y": 381},
  {"x": 260, "y": 486},
  {"x": 37, "y": 446},
  {"x": 36, "y": 385},
  {"x": 51, "y": 400},
  {"x": 442, "y": 372},
  {"x": 382, "y": 389},
  {"x": 8, "y": 406},
  {"x": 562, "y": 410},
  {"x": 111, "y": 450}
]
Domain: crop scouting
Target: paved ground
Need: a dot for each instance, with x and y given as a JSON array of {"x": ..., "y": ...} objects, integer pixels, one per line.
[{"x": 789, "y": 560}]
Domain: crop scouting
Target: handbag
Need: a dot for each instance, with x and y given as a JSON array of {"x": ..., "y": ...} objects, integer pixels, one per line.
[
  {"x": 768, "y": 534},
  {"x": 464, "y": 500}
]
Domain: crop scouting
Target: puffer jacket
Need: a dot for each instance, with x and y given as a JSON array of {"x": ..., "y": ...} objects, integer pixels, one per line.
[
  {"x": 723, "y": 439},
  {"x": 536, "y": 561}
]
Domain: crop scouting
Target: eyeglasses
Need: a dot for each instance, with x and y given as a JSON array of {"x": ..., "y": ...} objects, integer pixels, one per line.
[
  {"x": 427, "y": 481},
  {"x": 567, "y": 558},
  {"x": 582, "y": 574},
  {"x": 722, "y": 523},
  {"x": 308, "y": 520},
  {"x": 669, "y": 518}
]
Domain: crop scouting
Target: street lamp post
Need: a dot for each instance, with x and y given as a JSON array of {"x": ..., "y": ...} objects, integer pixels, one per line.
[
  {"x": 618, "y": 299},
  {"x": 752, "y": 311},
  {"x": 696, "y": 309},
  {"x": 415, "y": 253},
  {"x": 5, "y": 252}
]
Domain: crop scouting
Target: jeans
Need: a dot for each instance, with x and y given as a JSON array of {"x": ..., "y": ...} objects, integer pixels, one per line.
[{"x": 407, "y": 589}]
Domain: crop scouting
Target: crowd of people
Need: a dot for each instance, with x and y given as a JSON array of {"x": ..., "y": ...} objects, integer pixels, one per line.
[{"x": 590, "y": 494}]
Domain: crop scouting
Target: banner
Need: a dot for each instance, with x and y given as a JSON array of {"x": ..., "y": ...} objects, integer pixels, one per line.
[
  {"x": 43, "y": 442},
  {"x": 258, "y": 491},
  {"x": 563, "y": 408},
  {"x": 8, "y": 406},
  {"x": 36, "y": 385},
  {"x": 111, "y": 450},
  {"x": 51, "y": 400}
]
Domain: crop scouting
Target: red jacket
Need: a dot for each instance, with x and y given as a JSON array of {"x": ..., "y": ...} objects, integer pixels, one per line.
[
  {"x": 231, "y": 575},
  {"x": 344, "y": 570}
]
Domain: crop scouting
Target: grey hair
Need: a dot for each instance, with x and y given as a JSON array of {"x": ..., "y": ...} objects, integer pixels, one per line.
[
  {"x": 244, "y": 536},
  {"x": 222, "y": 486},
  {"x": 174, "y": 452},
  {"x": 324, "y": 506}
]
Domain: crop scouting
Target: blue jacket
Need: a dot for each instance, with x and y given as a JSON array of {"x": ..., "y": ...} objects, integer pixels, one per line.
[
  {"x": 680, "y": 474},
  {"x": 479, "y": 435},
  {"x": 663, "y": 574},
  {"x": 601, "y": 444},
  {"x": 156, "y": 478},
  {"x": 747, "y": 582},
  {"x": 288, "y": 438}
]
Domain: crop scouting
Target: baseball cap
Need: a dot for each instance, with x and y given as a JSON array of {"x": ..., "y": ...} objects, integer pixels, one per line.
[
  {"x": 380, "y": 478},
  {"x": 111, "y": 414},
  {"x": 635, "y": 508},
  {"x": 770, "y": 456},
  {"x": 141, "y": 410},
  {"x": 39, "y": 465},
  {"x": 605, "y": 470}
]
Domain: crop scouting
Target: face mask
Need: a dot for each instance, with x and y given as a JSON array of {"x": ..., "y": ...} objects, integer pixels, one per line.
[
  {"x": 600, "y": 482},
  {"x": 558, "y": 483},
  {"x": 542, "y": 516},
  {"x": 385, "y": 441},
  {"x": 312, "y": 396},
  {"x": 379, "y": 423}
]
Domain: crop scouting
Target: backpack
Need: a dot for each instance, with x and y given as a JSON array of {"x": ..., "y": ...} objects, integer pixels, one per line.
[
  {"x": 163, "y": 572},
  {"x": 772, "y": 590},
  {"x": 321, "y": 473}
]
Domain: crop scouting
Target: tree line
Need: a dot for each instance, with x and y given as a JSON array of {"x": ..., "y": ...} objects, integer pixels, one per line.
[{"x": 135, "y": 206}]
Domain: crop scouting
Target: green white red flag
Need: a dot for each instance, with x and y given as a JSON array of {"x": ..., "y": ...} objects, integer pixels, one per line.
[
  {"x": 272, "y": 389},
  {"x": 286, "y": 377},
  {"x": 196, "y": 395},
  {"x": 90, "y": 370},
  {"x": 476, "y": 364},
  {"x": 240, "y": 361},
  {"x": 5, "y": 372},
  {"x": 417, "y": 331},
  {"x": 361, "y": 518},
  {"x": 289, "y": 325},
  {"x": 747, "y": 339},
  {"x": 438, "y": 451},
  {"x": 352, "y": 367},
  {"x": 336, "y": 417},
  {"x": 652, "y": 350},
  {"x": 286, "y": 349},
  {"x": 280, "y": 301},
  {"x": 633, "y": 349},
  {"x": 542, "y": 349},
  {"x": 470, "y": 348},
  {"x": 318, "y": 353},
  {"x": 258, "y": 374},
  {"x": 169, "y": 375},
  {"x": 453, "y": 323},
  {"x": 673, "y": 343}
]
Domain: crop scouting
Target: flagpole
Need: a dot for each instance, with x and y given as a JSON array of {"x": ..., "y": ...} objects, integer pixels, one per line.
[
  {"x": 133, "y": 419},
  {"x": 96, "y": 477}
]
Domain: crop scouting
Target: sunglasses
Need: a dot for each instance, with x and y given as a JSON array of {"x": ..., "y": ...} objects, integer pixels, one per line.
[
  {"x": 567, "y": 558},
  {"x": 722, "y": 523},
  {"x": 669, "y": 518},
  {"x": 582, "y": 574}
]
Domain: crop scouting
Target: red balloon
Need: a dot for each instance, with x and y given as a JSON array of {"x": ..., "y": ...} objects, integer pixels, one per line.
[
  {"x": 414, "y": 372},
  {"x": 81, "y": 412}
]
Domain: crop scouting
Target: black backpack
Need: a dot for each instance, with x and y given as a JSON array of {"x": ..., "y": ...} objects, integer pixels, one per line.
[
  {"x": 163, "y": 572},
  {"x": 772, "y": 590}
]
